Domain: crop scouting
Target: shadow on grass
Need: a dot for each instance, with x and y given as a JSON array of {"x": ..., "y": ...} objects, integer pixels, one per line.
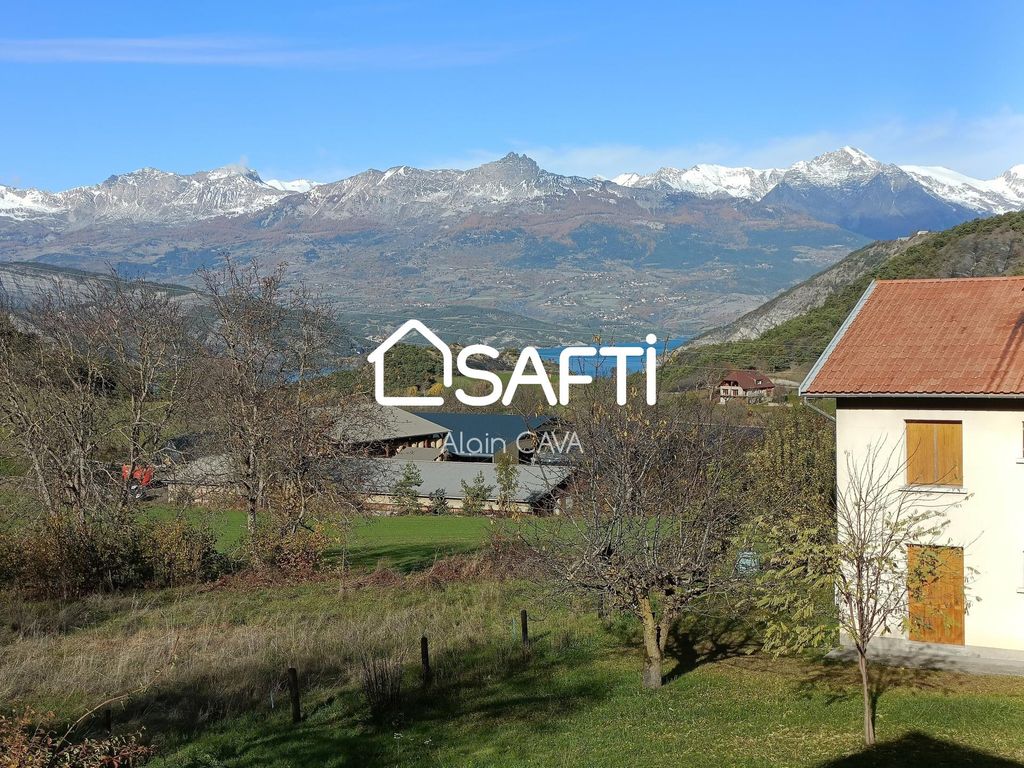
[
  {"x": 401, "y": 557},
  {"x": 704, "y": 640},
  {"x": 840, "y": 680},
  {"x": 476, "y": 691},
  {"x": 918, "y": 749}
]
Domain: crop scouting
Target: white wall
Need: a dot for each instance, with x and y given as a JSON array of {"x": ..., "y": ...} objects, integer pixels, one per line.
[{"x": 989, "y": 524}]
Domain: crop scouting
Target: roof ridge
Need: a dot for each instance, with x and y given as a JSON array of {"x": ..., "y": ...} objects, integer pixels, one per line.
[
  {"x": 989, "y": 278},
  {"x": 953, "y": 337}
]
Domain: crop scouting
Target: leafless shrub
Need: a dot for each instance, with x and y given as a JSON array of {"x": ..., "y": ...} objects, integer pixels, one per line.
[
  {"x": 24, "y": 743},
  {"x": 381, "y": 680}
]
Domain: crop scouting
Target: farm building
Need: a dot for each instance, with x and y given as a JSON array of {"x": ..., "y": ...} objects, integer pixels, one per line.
[{"x": 539, "y": 489}]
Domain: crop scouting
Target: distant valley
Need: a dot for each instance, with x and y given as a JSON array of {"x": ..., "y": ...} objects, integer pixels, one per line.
[{"x": 507, "y": 252}]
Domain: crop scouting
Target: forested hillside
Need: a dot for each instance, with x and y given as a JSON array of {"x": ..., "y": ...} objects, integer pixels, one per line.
[{"x": 979, "y": 248}]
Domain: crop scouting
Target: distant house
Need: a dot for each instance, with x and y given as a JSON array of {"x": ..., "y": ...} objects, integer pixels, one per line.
[
  {"x": 539, "y": 489},
  {"x": 934, "y": 371},
  {"x": 479, "y": 436},
  {"x": 752, "y": 386}
]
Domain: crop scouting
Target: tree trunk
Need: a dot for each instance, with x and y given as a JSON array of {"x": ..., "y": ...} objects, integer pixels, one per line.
[
  {"x": 652, "y": 672},
  {"x": 652, "y": 647},
  {"x": 869, "y": 714}
]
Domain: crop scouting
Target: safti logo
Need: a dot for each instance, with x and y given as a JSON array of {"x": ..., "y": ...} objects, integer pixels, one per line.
[{"x": 529, "y": 358}]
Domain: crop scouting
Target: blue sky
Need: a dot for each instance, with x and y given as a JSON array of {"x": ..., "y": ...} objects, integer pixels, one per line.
[{"x": 322, "y": 91}]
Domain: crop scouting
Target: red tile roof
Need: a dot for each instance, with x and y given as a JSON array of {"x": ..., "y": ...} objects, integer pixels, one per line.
[
  {"x": 749, "y": 380},
  {"x": 928, "y": 337}
]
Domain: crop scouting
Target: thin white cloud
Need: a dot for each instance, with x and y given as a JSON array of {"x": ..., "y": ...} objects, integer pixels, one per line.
[
  {"x": 979, "y": 146},
  {"x": 241, "y": 52}
]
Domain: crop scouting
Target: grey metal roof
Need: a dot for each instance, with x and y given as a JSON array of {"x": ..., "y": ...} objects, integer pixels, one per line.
[
  {"x": 418, "y": 453},
  {"x": 373, "y": 423},
  {"x": 481, "y": 435},
  {"x": 216, "y": 469},
  {"x": 533, "y": 481}
]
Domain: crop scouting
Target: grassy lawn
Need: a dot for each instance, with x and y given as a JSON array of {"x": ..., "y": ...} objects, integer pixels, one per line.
[
  {"x": 404, "y": 543},
  {"x": 218, "y": 659},
  {"x": 582, "y": 707},
  {"x": 575, "y": 699},
  {"x": 410, "y": 542}
]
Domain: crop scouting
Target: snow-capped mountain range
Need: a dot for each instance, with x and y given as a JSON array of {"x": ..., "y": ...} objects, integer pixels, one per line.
[
  {"x": 678, "y": 248},
  {"x": 847, "y": 178},
  {"x": 148, "y": 195},
  {"x": 845, "y": 167},
  {"x": 707, "y": 181}
]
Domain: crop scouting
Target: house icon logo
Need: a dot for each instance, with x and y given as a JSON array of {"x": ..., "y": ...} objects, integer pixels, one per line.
[
  {"x": 529, "y": 370},
  {"x": 377, "y": 358}
]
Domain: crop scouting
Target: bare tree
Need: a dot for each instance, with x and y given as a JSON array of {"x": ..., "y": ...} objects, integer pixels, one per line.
[
  {"x": 151, "y": 343},
  {"x": 862, "y": 555},
  {"x": 90, "y": 380},
  {"x": 651, "y": 514},
  {"x": 53, "y": 381},
  {"x": 247, "y": 355},
  {"x": 268, "y": 348},
  {"x": 93, "y": 381}
]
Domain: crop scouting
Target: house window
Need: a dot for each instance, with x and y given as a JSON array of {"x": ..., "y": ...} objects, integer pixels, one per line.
[{"x": 935, "y": 453}]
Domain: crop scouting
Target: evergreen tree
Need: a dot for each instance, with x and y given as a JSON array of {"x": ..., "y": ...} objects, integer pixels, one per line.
[
  {"x": 507, "y": 472},
  {"x": 439, "y": 502},
  {"x": 406, "y": 490},
  {"x": 476, "y": 494}
]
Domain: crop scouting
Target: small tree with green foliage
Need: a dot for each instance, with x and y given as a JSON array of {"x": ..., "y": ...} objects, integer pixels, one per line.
[
  {"x": 857, "y": 551},
  {"x": 405, "y": 491},
  {"x": 439, "y": 502},
  {"x": 652, "y": 513},
  {"x": 476, "y": 494},
  {"x": 507, "y": 472}
]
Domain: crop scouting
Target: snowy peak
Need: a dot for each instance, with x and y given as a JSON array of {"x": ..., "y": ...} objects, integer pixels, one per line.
[
  {"x": 155, "y": 196},
  {"x": 629, "y": 179},
  {"x": 835, "y": 169},
  {"x": 1013, "y": 181},
  {"x": 227, "y": 172},
  {"x": 707, "y": 181},
  {"x": 999, "y": 195},
  {"x": 295, "y": 185},
  {"x": 26, "y": 203}
]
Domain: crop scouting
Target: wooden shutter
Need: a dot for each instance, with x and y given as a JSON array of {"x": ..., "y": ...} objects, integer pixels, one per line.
[
  {"x": 920, "y": 453},
  {"x": 935, "y": 453},
  {"x": 949, "y": 453},
  {"x": 935, "y": 580}
]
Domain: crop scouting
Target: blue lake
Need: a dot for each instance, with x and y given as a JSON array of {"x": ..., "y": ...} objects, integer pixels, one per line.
[{"x": 605, "y": 366}]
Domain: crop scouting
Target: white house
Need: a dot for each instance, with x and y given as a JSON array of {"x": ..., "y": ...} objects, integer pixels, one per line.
[
  {"x": 936, "y": 369},
  {"x": 752, "y": 386}
]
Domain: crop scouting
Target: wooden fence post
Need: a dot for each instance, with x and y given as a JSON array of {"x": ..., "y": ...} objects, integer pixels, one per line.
[
  {"x": 293, "y": 692},
  {"x": 524, "y": 623},
  {"x": 425, "y": 659}
]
